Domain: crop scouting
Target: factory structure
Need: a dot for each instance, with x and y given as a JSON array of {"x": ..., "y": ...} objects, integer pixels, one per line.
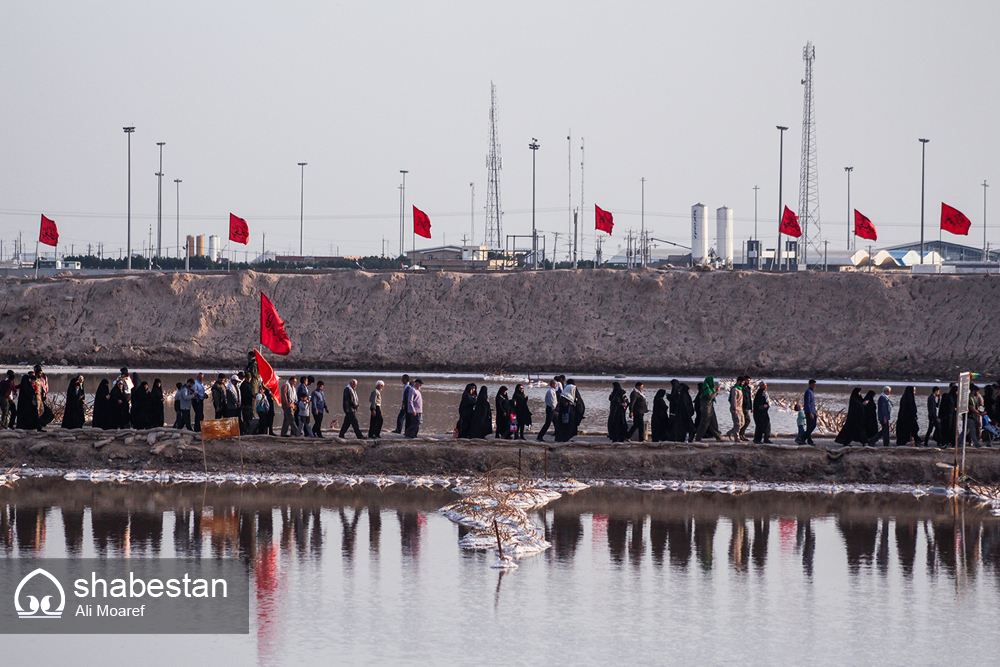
[{"x": 195, "y": 247}]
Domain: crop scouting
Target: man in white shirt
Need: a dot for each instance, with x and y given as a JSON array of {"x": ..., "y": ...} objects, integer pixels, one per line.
[
  {"x": 414, "y": 409},
  {"x": 551, "y": 397},
  {"x": 198, "y": 402}
]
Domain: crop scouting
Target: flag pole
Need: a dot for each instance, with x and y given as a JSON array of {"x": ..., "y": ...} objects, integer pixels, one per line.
[{"x": 36, "y": 259}]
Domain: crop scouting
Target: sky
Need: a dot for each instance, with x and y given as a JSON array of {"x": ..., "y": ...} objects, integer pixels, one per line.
[{"x": 684, "y": 95}]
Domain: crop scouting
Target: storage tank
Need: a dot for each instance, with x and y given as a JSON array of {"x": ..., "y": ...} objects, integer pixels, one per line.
[
  {"x": 190, "y": 246},
  {"x": 201, "y": 245},
  {"x": 724, "y": 235},
  {"x": 214, "y": 246},
  {"x": 699, "y": 234}
]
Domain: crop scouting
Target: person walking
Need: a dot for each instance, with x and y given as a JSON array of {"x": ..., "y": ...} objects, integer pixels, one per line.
[
  {"x": 747, "y": 407},
  {"x": 503, "y": 414},
  {"x": 218, "y": 392},
  {"x": 521, "y": 411},
  {"x": 155, "y": 403},
  {"x": 302, "y": 408},
  {"x": 617, "y": 407},
  {"x": 907, "y": 428},
  {"x": 854, "y": 424},
  {"x": 375, "y": 408},
  {"x": 761, "y": 415},
  {"x": 184, "y": 397},
  {"x": 262, "y": 404},
  {"x": 659, "y": 422},
  {"x": 319, "y": 408},
  {"x": 709, "y": 423},
  {"x": 233, "y": 399},
  {"x": 246, "y": 402},
  {"x": 8, "y": 395},
  {"x": 73, "y": 415},
  {"x": 933, "y": 420},
  {"x": 884, "y": 416},
  {"x": 809, "y": 407},
  {"x": 974, "y": 421},
  {"x": 414, "y": 409},
  {"x": 736, "y": 409},
  {"x": 948, "y": 417},
  {"x": 551, "y": 399},
  {"x": 638, "y": 407},
  {"x": 351, "y": 404},
  {"x": 198, "y": 403},
  {"x": 482, "y": 418},
  {"x": 466, "y": 411},
  {"x": 404, "y": 409},
  {"x": 289, "y": 392}
]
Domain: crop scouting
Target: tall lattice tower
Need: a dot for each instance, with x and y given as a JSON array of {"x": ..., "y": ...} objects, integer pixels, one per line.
[
  {"x": 812, "y": 236},
  {"x": 494, "y": 239}
]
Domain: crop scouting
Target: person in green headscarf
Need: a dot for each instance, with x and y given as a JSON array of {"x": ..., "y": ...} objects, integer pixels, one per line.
[{"x": 708, "y": 423}]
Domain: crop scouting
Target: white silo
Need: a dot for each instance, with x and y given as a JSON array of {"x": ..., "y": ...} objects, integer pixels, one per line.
[
  {"x": 699, "y": 234},
  {"x": 214, "y": 247},
  {"x": 724, "y": 235}
]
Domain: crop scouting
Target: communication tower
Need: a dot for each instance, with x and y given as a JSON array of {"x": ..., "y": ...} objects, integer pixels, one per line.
[
  {"x": 494, "y": 163},
  {"x": 812, "y": 236}
]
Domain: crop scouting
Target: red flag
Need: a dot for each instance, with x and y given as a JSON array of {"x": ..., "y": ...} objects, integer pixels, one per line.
[
  {"x": 603, "y": 220},
  {"x": 48, "y": 234},
  {"x": 952, "y": 220},
  {"x": 863, "y": 227},
  {"x": 267, "y": 376},
  {"x": 790, "y": 224},
  {"x": 421, "y": 223},
  {"x": 238, "y": 230},
  {"x": 272, "y": 329}
]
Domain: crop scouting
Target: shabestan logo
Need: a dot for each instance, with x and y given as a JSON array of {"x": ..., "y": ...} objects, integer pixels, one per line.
[{"x": 36, "y": 608}]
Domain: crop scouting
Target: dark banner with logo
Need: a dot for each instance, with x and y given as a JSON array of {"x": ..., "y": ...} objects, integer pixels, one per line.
[{"x": 124, "y": 596}]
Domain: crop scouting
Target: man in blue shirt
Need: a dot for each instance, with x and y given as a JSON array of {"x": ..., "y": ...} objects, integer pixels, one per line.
[
  {"x": 884, "y": 416},
  {"x": 198, "y": 402},
  {"x": 318, "y": 409},
  {"x": 809, "y": 407}
]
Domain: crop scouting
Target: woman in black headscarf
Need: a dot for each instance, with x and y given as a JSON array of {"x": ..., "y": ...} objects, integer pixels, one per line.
[
  {"x": 762, "y": 415},
  {"x": 139, "y": 410},
  {"x": 854, "y": 423},
  {"x": 27, "y": 404},
  {"x": 870, "y": 416},
  {"x": 521, "y": 410},
  {"x": 907, "y": 429},
  {"x": 155, "y": 399},
  {"x": 482, "y": 421},
  {"x": 467, "y": 411},
  {"x": 946, "y": 413},
  {"x": 102, "y": 406},
  {"x": 674, "y": 404},
  {"x": 684, "y": 428},
  {"x": 659, "y": 423},
  {"x": 503, "y": 414},
  {"x": 73, "y": 414},
  {"x": 119, "y": 406},
  {"x": 617, "y": 423}
]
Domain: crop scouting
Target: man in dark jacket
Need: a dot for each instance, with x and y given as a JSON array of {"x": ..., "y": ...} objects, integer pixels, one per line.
[
  {"x": 884, "y": 416},
  {"x": 638, "y": 409},
  {"x": 933, "y": 421},
  {"x": 318, "y": 408},
  {"x": 351, "y": 404},
  {"x": 246, "y": 403}
]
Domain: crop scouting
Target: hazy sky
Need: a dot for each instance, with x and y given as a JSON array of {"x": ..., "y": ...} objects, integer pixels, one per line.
[{"x": 686, "y": 95}]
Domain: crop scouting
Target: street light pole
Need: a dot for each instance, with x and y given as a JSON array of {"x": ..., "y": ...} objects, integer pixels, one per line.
[
  {"x": 642, "y": 224},
  {"x": 129, "y": 131},
  {"x": 986, "y": 256},
  {"x": 781, "y": 167},
  {"x": 923, "y": 173},
  {"x": 534, "y": 237},
  {"x": 177, "y": 208},
  {"x": 302, "y": 200},
  {"x": 159, "y": 204},
  {"x": 849, "y": 170},
  {"x": 755, "y": 189},
  {"x": 402, "y": 205}
]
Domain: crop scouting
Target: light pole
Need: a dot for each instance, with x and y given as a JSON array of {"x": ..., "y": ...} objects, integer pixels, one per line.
[
  {"x": 642, "y": 224},
  {"x": 402, "y": 205},
  {"x": 923, "y": 172},
  {"x": 177, "y": 209},
  {"x": 472, "y": 231},
  {"x": 129, "y": 131},
  {"x": 986, "y": 255},
  {"x": 534, "y": 237},
  {"x": 302, "y": 199},
  {"x": 781, "y": 210},
  {"x": 159, "y": 204},
  {"x": 849, "y": 170},
  {"x": 755, "y": 189}
]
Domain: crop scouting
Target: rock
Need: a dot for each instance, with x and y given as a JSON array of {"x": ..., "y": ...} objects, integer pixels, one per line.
[
  {"x": 151, "y": 439},
  {"x": 102, "y": 443},
  {"x": 160, "y": 448},
  {"x": 9, "y": 434},
  {"x": 129, "y": 440},
  {"x": 38, "y": 447}
]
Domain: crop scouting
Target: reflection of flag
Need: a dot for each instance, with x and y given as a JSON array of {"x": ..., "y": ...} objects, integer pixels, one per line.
[
  {"x": 421, "y": 223},
  {"x": 48, "y": 234},
  {"x": 272, "y": 329},
  {"x": 238, "y": 230},
  {"x": 952, "y": 220},
  {"x": 267, "y": 376},
  {"x": 863, "y": 227},
  {"x": 790, "y": 224},
  {"x": 603, "y": 220}
]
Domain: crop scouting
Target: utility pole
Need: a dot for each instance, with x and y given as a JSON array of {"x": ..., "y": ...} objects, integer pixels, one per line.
[
  {"x": 534, "y": 235},
  {"x": 302, "y": 201},
  {"x": 755, "y": 189},
  {"x": 642, "y": 223},
  {"x": 472, "y": 228},
  {"x": 159, "y": 205},
  {"x": 923, "y": 173},
  {"x": 849, "y": 170},
  {"x": 402, "y": 204},
  {"x": 575, "y": 224},
  {"x": 986, "y": 256},
  {"x": 781, "y": 167},
  {"x": 177, "y": 209},
  {"x": 575, "y": 265},
  {"x": 128, "y": 132}
]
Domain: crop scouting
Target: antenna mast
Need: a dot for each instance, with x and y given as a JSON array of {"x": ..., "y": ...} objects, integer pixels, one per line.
[
  {"x": 494, "y": 164},
  {"x": 809, "y": 173}
]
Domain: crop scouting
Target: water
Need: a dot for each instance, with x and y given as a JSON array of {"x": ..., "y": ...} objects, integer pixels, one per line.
[
  {"x": 367, "y": 576},
  {"x": 442, "y": 393}
]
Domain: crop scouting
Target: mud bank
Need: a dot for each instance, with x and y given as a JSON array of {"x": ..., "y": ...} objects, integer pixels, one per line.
[
  {"x": 164, "y": 449},
  {"x": 644, "y": 321}
]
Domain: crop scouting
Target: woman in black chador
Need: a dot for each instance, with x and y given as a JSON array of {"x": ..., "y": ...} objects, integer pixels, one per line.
[
  {"x": 946, "y": 413},
  {"x": 156, "y": 404},
  {"x": 907, "y": 429},
  {"x": 482, "y": 420},
  {"x": 762, "y": 415},
  {"x": 503, "y": 414},
  {"x": 870, "y": 415},
  {"x": 467, "y": 411},
  {"x": 73, "y": 415},
  {"x": 139, "y": 411},
  {"x": 102, "y": 406},
  {"x": 854, "y": 424},
  {"x": 617, "y": 423},
  {"x": 684, "y": 428},
  {"x": 521, "y": 410},
  {"x": 27, "y": 404},
  {"x": 119, "y": 406},
  {"x": 659, "y": 423}
]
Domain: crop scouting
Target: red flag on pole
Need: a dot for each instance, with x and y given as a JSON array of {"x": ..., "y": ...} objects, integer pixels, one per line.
[
  {"x": 790, "y": 224},
  {"x": 952, "y": 220},
  {"x": 421, "y": 223},
  {"x": 863, "y": 227},
  {"x": 603, "y": 220},
  {"x": 238, "y": 230},
  {"x": 48, "y": 234},
  {"x": 267, "y": 376},
  {"x": 272, "y": 329}
]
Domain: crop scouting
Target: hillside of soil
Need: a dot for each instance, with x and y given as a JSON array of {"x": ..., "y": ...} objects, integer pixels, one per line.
[{"x": 642, "y": 321}]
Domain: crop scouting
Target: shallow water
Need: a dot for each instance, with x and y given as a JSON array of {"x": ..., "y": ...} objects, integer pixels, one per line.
[{"x": 359, "y": 575}]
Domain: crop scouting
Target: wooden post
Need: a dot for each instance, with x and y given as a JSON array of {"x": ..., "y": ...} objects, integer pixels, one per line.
[
  {"x": 546, "y": 465},
  {"x": 496, "y": 529}
]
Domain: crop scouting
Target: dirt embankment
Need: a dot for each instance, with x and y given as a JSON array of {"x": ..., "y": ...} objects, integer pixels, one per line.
[
  {"x": 166, "y": 449},
  {"x": 648, "y": 322}
]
